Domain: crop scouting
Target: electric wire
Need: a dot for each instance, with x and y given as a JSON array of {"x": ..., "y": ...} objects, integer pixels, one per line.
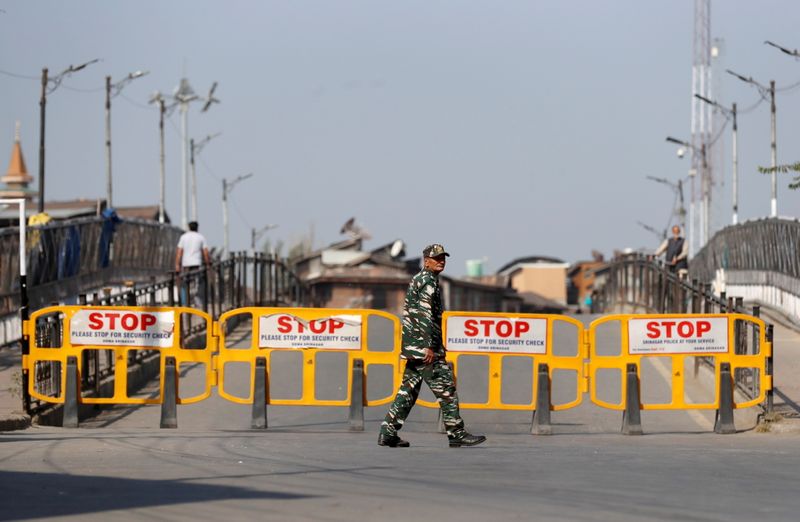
[
  {"x": 137, "y": 104},
  {"x": 238, "y": 211},
  {"x": 20, "y": 76},
  {"x": 789, "y": 87},
  {"x": 210, "y": 171},
  {"x": 78, "y": 89}
]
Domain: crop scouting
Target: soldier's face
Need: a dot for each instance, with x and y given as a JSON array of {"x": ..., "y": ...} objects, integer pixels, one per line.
[{"x": 435, "y": 264}]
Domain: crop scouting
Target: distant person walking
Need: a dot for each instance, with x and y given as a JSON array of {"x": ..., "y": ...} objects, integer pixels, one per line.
[
  {"x": 192, "y": 253},
  {"x": 424, "y": 352},
  {"x": 676, "y": 251},
  {"x": 192, "y": 250}
]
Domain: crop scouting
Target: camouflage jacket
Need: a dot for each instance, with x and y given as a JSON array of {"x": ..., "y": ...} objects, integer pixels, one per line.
[{"x": 422, "y": 316}]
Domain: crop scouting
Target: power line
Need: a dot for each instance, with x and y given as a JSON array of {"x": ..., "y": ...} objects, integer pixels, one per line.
[
  {"x": 21, "y": 76},
  {"x": 137, "y": 104},
  {"x": 753, "y": 107},
  {"x": 211, "y": 172},
  {"x": 239, "y": 213},
  {"x": 77, "y": 89},
  {"x": 789, "y": 87}
]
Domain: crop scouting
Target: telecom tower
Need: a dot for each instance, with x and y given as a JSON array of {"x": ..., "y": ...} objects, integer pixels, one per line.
[
  {"x": 701, "y": 119},
  {"x": 704, "y": 131}
]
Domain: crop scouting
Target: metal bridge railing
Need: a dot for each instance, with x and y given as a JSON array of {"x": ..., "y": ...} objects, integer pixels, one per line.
[{"x": 81, "y": 250}]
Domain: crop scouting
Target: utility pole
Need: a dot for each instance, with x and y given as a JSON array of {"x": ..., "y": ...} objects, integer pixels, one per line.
[
  {"x": 226, "y": 188},
  {"x": 111, "y": 91},
  {"x": 108, "y": 143},
  {"x": 162, "y": 191},
  {"x": 42, "y": 106},
  {"x": 735, "y": 174},
  {"x": 706, "y": 182},
  {"x": 763, "y": 90},
  {"x": 162, "y": 178},
  {"x": 184, "y": 95},
  {"x": 255, "y": 235},
  {"x": 195, "y": 149},
  {"x": 677, "y": 188},
  {"x": 194, "y": 180},
  {"x": 774, "y": 151},
  {"x": 796, "y": 54},
  {"x": 49, "y": 85}
]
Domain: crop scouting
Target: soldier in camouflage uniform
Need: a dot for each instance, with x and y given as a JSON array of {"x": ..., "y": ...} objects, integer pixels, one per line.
[{"x": 425, "y": 357}]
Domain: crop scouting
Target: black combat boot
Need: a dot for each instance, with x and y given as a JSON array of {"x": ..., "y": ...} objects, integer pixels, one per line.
[
  {"x": 392, "y": 441},
  {"x": 467, "y": 440}
]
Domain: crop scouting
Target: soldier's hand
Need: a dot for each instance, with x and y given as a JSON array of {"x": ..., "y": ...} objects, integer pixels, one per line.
[{"x": 429, "y": 356}]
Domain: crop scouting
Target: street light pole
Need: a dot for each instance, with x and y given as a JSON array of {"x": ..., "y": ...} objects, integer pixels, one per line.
[
  {"x": 42, "y": 107},
  {"x": 796, "y": 54},
  {"x": 184, "y": 95},
  {"x": 226, "y": 189},
  {"x": 704, "y": 188},
  {"x": 224, "y": 218},
  {"x": 774, "y": 151},
  {"x": 162, "y": 177},
  {"x": 111, "y": 91},
  {"x": 705, "y": 182},
  {"x": 184, "y": 164},
  {"x": 734, "y": 145},
  {"x": 108, "y": 143},
  {"x": 195, "y": 148},
  {"x": 194, "y": 180},
  {"x": 763, "y": 90},
  {"x": 162, "y": 111},
  {"x": 255, "y": 235},
  {"x": 49, "y": 85}
]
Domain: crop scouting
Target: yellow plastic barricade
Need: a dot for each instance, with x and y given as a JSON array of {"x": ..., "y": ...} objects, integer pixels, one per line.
[
  {"x": 678, "y": 337},
  {"x": 119, "y": 331},
  {"x": 312, "y": 331},
  {"x": 498, "y": 336}
]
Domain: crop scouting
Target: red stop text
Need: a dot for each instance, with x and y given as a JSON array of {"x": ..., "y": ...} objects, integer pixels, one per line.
[
  {"x": 672, "y": 328},
  {"x": 289, "y": 324},
  {"x": 114, "y": 320},
  {"x": 495, "y": 327}
]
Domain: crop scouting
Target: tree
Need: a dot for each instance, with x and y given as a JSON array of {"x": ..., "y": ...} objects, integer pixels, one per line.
[{"x": 794, "y": 167}]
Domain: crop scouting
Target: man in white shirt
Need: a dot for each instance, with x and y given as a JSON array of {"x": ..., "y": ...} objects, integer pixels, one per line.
[
  {"x": 192, "y": 253},
  {"x": 192, "y": 250}
]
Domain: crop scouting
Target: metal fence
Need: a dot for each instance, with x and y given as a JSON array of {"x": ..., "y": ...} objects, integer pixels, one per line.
[
  {"x": 77, "y": 254},
  {"x": 637, "y": 283},
  {"x": 240, "y": 281},
  {"x": 765, "y": 245},
  {"x": 757, "y": 260}
]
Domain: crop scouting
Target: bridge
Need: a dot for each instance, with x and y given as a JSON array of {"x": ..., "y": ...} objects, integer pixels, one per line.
[{"x": 313, "y": 456}]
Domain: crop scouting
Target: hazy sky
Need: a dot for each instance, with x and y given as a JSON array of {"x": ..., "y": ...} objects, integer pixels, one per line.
[{"x": 501, "y": 129}]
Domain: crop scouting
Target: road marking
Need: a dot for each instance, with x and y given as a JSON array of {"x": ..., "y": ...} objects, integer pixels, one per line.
[{"x": 695, "y": 415}]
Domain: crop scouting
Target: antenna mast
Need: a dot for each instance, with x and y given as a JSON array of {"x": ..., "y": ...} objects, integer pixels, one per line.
[{"x": 702, "y": 125}]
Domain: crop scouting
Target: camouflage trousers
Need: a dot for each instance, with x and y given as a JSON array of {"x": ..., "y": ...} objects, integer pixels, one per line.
[{"x": 439, "y": 378}]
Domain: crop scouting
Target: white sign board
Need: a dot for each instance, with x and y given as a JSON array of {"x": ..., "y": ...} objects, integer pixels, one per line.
[
  {"x": 496, "y": 334},
  {"x": 122, "y": 327},
  {"x": 338, "y": 332},
  {"x": 697, "y": 335}
]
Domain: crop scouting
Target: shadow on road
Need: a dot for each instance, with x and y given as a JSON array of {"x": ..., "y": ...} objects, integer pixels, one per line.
[{"x": 28, "y": 495}]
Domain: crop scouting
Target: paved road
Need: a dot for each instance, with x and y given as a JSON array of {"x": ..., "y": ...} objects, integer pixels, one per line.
[{"x": 307, "y": 466}]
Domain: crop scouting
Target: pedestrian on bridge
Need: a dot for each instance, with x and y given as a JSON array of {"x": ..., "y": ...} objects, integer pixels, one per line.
[
  {"x": 192, "y": 250},
  {"x": 192, "y": 253},
  {"x": 676, "y": 251},
  {"x": 424, "y": 352}
]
